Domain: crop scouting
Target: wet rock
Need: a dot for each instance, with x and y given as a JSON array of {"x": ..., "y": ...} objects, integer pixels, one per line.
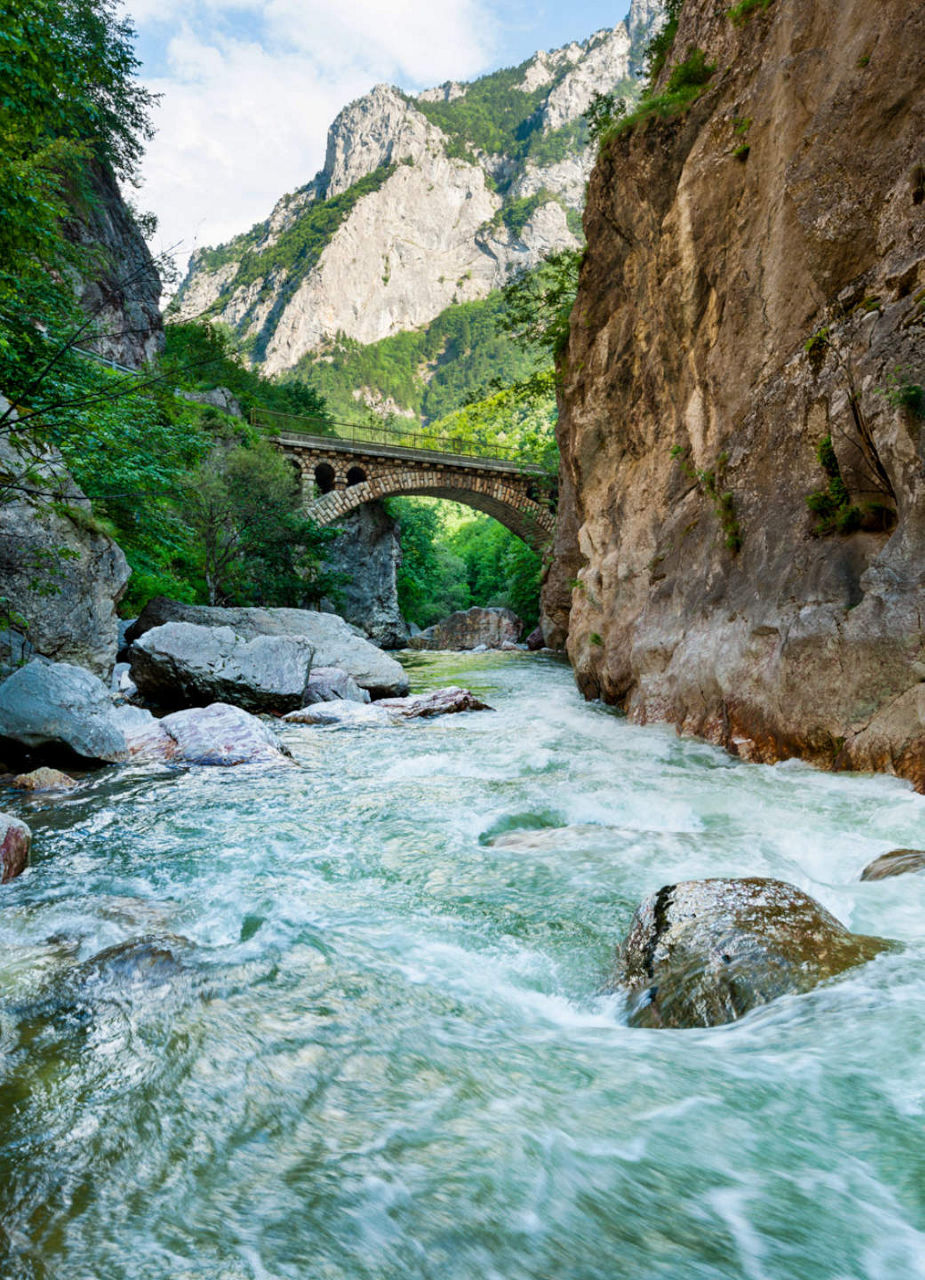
[
  {"x": 897, "y": 862},
  {"x": 221, "y": 735},
  {"x": 155, "y": 958},
  {"x": 330, "y": 684},
  {"x": 439, "y": 702},
  {"x": 182, "y": 664},
  {"x": 44, "y": 779},
  {"x": 705, "y": 952},
  {"x": 53, "y": 707},
  {"x": 15, "y": 842},
  {"x": 346, "y": 715},
  {"x": 535, "y": 640},
  {"x": 475, "y": 629},
  {"x": 336, "y": 643},
  {"x": 368, "y": 554},
  {"x": 146, "y": 739}
]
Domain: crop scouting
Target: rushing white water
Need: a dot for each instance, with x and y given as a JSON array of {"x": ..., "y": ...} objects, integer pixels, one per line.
[{"x": 384, "y": 1053}]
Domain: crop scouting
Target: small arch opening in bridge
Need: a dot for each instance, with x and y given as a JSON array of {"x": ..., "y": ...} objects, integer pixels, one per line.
[
  {"x": 356, "y": 475},
  {"x": 324, "y": 478}
]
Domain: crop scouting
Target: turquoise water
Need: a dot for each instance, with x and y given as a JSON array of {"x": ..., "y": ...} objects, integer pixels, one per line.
[{"x": 373, "y": 1044}]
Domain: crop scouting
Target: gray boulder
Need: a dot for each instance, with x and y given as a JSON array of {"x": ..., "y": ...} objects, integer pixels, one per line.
[
  {"x": 477, "y": 629},
  {"x": 705, "y": 952},
  {"x": 335, "y": 642},
  {"x": 55, "y": 708},
  {"x": 897, "y": 862},
  {"x": 146, "y": 739},
  {"x": 61, "y": 572},
  {"x": 180, "y": 664},
  {"x": 330, "y": 684},
  {"x": 535, "y": 640},
  {"x": 15, "y": 841},
  {"x": 221, "y": 735}
]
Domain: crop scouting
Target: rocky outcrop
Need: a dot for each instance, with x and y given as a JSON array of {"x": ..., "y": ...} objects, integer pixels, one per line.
[
  {"x": 433, "y": 233},
  {"x": 121, "y": 296},
  {"x": 334, "y": 642},
  {"x": 15, "y": 842},
  {"x": 368, "y": 555},
  {"x": 471, "y": 629},
  {"x": 61, "y": 575},
  {"x": 747, "y": 336},
  {"x": 705, "y": 952},
  {"x": 183, "y": 664},
  {"x": 54, "y": 709},
  {"x": 898, "y": 862}
]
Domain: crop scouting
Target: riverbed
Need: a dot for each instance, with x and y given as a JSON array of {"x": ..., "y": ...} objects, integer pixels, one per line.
[{"x": 374, "y": 1039}]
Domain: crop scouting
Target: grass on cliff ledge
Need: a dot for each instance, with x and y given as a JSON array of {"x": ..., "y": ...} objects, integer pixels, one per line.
[
  {"x": 686, "y": 83},
  {"x": 740, "y": 13}
]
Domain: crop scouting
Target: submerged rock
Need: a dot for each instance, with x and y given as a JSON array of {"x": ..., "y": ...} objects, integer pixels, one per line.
[
  {"x": 221, "y": 735},
  {"x": 53, "y": 707},
  {"x": 182, "y": 663},
  {"x": 330, "y": 684},
  {"x": 335, "y": 642},
  {"x": 44, "y": 779},
  {"x": 475, "y": 628},
  {"x": 704, "y": 952},
  {"x": 15, "y": 842},
  {"x": 897, "y": 862},
  {"x": 439, "y": 702}
]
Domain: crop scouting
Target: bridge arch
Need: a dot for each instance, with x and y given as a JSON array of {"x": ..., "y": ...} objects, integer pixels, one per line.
[
  {"x": 524, "y": 517},
  {"x": 356, "y": 472}
]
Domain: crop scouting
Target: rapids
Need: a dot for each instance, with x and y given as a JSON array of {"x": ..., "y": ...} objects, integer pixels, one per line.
[{"x": 371, "y": 1040}]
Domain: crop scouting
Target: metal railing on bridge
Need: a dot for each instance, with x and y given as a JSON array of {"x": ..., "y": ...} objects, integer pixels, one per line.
[{"x": 396, "y": 437}]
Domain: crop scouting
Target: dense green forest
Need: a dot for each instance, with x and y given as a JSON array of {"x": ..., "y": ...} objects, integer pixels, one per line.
[{"x": 429, "y": 372}]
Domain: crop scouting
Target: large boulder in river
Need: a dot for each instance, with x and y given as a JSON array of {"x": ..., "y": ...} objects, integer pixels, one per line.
[
  {"x": 335, "y": 642},
  {"x": 15, "y": 840},
  {"x": 221, "y": 735},
  {"x": 53, "y": 709},
  {"x": 59, "y": 569},
  {"x": 704, "y": 952},
  {"x": 439, "y": 702},
  {"x": 471, "y": 629},
  {"x": 182, "y": 664}
]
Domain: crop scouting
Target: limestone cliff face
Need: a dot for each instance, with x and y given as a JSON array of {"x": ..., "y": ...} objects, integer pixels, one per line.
[
  {"x": 755, "y": 284},
  {"x": 121, "y": 293},
  {"x": 433, "y": 232}
]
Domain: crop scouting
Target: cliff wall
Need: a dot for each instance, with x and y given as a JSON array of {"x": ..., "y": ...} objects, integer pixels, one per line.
[{"x": 754, "y": 286}]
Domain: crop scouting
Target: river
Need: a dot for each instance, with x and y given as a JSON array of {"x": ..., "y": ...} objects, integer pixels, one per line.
[{"x": 385, "y": 1050}]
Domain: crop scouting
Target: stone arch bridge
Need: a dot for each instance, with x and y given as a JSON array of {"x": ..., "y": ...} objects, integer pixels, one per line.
[{"x": 340, "y": 474}]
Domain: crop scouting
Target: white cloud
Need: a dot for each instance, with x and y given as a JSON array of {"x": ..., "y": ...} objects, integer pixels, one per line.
[{"x": 250, "y": 86}]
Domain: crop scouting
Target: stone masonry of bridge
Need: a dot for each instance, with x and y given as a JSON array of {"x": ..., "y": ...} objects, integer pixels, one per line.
[{"x": 340, "y": 475}]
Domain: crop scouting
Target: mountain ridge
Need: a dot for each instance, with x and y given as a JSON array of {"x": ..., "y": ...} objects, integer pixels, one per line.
[{"x": 424, "y": 202}]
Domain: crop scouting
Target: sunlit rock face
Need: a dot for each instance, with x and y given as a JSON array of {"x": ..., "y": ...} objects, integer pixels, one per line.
[
  {"x": 432, "y": 233},
  {"x": 753, "y": 287}
]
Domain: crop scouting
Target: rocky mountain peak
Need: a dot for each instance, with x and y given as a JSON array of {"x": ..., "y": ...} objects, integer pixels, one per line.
[{"x": 381, "y": 128}]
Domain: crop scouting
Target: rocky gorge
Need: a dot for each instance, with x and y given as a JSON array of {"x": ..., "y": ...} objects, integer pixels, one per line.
[{"x": 739, "y": 548}]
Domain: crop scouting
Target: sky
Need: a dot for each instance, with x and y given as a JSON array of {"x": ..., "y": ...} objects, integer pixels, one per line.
[{"x": 249, "y": 87}]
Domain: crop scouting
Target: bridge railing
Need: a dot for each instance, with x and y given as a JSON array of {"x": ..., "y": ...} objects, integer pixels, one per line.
[{"x": 357, "y": 433}]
